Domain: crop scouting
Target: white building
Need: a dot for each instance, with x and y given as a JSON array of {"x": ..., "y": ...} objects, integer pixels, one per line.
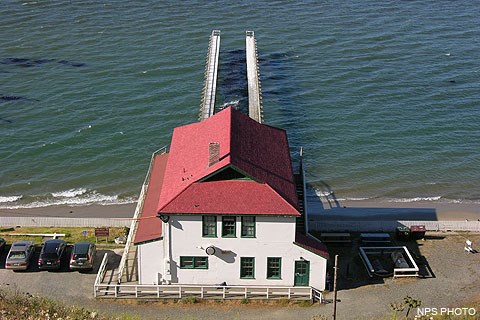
[{"x": 222, "y": 206}]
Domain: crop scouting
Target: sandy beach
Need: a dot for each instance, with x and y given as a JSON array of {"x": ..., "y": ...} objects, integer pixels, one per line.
[{"x": 88, "y": 211}]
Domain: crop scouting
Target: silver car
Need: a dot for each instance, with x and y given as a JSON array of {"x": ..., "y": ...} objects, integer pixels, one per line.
[{"x": 19, "y": 256}]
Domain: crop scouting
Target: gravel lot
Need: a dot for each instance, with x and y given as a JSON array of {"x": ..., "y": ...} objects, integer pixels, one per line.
[{"x": 454, "y": 281}]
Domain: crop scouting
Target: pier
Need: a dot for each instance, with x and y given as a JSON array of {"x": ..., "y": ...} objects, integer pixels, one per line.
[
  {"x": 253, "y": 74},
  {"x": 207, "y": 108},
  {"x": 211, "y": 73}
]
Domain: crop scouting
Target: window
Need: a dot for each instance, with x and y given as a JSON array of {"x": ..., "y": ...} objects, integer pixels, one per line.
[
  {"x": 194, "y": 262},
  {"x": 228, "y": 227},
  {"x": 274, "y": 268},
  {"x": 247, "y": 268},
  {"x": 209, "y": 226},
  {"x": 248, "y": 227}
]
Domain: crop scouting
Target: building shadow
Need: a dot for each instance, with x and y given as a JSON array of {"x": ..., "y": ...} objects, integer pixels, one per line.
[{"x": 326, "y": 214}]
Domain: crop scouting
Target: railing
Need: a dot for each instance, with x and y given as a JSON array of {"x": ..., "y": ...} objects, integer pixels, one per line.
[
  {"x": 63, "y": 222},
  {"x": 389, "y": 226},
  {"x": 101, "y": 273},
  {"x": 138, "y": 210},
  {"x": 129, "y": 291}
]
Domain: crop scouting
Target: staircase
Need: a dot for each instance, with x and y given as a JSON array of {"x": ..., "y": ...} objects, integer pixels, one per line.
[{"x": 300, "y": 224}]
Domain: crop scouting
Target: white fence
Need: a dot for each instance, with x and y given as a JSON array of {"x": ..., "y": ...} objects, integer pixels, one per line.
[
  {"x": 135, "y": 291},
  {"x": 63, "y": 222},
  {"x": 390, "y": 226}
]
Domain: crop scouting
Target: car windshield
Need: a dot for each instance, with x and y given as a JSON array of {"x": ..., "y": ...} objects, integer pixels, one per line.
[
  {"x": 80, "y": 256},
  {"x": 16, "y": 255}
]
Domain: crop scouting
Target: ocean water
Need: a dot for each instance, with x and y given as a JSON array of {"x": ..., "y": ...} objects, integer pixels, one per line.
[{"x": 383, "y": 96}]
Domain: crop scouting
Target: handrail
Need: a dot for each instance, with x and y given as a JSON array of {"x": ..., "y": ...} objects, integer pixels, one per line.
[
  {"x": 138, "y": 210},
  {"x": 101, "y": 273}
]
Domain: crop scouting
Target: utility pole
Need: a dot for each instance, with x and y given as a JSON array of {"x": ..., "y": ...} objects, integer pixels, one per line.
[{"x": 335, "y": 288}]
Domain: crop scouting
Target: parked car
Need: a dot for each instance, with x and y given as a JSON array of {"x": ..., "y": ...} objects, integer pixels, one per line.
[
  {"x": 83, "y": 256},
  {"x": 2, "y": 244},
  {"x": 19, "y": 256},
  {"x": 51, "y": 254}
]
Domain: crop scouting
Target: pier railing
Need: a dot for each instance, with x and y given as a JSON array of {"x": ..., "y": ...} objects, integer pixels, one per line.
[{"x": 390, "y": 226}]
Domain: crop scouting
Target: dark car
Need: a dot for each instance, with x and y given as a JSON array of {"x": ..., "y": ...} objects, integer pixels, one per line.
[
  {"x": 83, "y": 256},
  {"x": 51, "y": 254},
  {"x": 2, "y": 244}
]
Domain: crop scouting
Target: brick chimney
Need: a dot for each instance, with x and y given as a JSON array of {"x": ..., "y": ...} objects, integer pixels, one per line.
[{"x": 213, "y": 153}]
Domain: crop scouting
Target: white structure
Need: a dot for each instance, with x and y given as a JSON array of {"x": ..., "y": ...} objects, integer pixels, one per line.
[{"x": 222, "y": 207}]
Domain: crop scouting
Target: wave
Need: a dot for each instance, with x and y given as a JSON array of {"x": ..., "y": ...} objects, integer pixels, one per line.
[
  {"x": 69, "y": 193},
  {"x": 316, "y": 194},
  {"x": 9, "y": 199},
  {"x": 417, "y": 199},
  {"x": 72, "y": 197}
]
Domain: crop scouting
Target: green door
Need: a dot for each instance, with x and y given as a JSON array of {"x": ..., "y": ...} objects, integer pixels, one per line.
[{"x": 302, "y": 273}]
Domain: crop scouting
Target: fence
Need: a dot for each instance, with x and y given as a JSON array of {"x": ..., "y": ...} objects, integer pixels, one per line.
[
  {"x": 63, "y": 222},
  {"x": 390, "y": 226},
  {"x": 135, "y": 291}
]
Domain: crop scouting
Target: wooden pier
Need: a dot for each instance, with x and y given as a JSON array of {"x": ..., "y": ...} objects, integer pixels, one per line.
[
  {"x": 211, "y": 73},
  {"x": 207, "y": 108},
  {"x": 253, "y": 75}
]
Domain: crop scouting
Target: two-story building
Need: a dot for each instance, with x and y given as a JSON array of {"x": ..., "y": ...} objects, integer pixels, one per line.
[{"x": 222, "y": 206}]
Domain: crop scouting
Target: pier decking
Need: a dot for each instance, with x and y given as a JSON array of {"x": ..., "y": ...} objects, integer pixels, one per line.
[
  {"x": 254, "y": 93},
  {"x": 211, "y": 73},
  {"x": 207, "y": 108}
]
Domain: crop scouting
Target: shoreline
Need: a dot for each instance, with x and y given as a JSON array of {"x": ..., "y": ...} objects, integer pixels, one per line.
[
  {"x": 342, "y": 209},
  {"x": 124, "y": 210}
]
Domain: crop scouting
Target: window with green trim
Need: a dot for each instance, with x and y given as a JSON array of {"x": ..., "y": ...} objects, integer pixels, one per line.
[
  {"x": 194, "y": 262},
  {"x": 209, "y": 226},
  {"x": 248, "y": 227},
  {"x": 229, "y": 227},
  {"x": 274, "y": 268},
  {"x": 247, "y": 268}
]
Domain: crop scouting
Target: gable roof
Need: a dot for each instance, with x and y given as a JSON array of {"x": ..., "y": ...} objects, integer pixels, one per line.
[
  {"x": 229, "y": 197},
  {"x": 260, "y": 151}
]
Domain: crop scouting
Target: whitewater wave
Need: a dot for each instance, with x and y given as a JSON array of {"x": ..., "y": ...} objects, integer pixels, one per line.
[
  {"x": 317, "y": 194},
  {"x": 69, "y": 193},
  {"x": 417, "y": 199},
  {"x": 9, "y": 199},
  {"x": 72, "y": 197}
]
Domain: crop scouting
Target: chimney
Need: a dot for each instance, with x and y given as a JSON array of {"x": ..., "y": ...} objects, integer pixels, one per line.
[{"x": 213, "y": 153}]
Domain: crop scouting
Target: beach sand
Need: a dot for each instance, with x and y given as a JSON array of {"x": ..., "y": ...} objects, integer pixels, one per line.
[{"x": 88, "y": 211}]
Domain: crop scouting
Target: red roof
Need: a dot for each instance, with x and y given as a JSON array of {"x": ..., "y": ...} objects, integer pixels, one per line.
[
  {"x": 181, "y": 181},
  {"x": 149, "y": 226},
  {"x": 230, "y": 197},
  {"x": 311, "y": 244},
  {"x": 260, "y": 151}
]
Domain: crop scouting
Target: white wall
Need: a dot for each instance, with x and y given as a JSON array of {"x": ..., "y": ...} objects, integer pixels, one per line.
[
  {"x": 274, "y": 238},
  {"x": 150, "y": 259}
]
